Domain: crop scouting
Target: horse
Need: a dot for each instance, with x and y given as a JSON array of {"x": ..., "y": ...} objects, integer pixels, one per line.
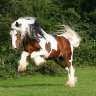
[{"x": 41, "y": 46}]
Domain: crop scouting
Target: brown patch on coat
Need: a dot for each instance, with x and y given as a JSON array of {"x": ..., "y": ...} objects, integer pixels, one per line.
[
  {"x": 31, "y": 45},
  {"x": 48, "y": 47},
  {"x": 18, "y": 41},
  {"x": 63, "y": 44},
  {"x": 65, "y": 49}
]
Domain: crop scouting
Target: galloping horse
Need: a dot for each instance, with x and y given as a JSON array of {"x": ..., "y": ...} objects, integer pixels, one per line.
[{"x": 41, "y": 46}]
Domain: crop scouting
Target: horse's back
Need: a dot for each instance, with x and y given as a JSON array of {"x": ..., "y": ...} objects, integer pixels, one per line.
[{"x": 63, "y": 45}]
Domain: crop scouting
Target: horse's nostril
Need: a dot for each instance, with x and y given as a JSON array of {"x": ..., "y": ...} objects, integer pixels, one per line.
[{"x": 16, "y": 49}]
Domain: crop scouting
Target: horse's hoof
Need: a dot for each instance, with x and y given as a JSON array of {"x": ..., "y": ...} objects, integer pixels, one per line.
[
  {"x": 70, "y": 84},
  {"x": 21, "y": 68}
]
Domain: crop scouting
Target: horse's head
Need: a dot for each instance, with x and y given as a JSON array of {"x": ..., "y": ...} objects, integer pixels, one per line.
[
  {"x": 20, "y": 28},
  {"x": 16, "y": 39}
]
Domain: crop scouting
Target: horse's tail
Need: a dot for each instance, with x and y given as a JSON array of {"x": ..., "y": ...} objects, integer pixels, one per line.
[{"x": 71, "y": 35}]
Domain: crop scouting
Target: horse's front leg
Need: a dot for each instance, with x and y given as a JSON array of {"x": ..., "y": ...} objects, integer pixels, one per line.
[
  {"x": 23, "y": 62},
  {"x": 37, "y": 57}
]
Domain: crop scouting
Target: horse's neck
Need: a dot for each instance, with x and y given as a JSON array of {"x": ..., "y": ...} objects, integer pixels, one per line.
[{"x": 48, "y": 37}]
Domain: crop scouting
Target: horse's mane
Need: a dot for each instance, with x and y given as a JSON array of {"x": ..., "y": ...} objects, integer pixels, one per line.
[
  {"x": 35, "y": 31},
  {"x": 33, "y": 28}
]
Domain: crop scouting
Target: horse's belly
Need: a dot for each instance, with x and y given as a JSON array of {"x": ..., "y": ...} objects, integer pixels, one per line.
[{"x": 53, "y": 54}]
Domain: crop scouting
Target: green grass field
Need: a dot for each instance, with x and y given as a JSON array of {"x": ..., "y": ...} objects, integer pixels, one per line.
[{"x": 41, "y": 85}]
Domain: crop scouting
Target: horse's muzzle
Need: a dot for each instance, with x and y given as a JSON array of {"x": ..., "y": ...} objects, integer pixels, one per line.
[{"x": 15, "y": 49}]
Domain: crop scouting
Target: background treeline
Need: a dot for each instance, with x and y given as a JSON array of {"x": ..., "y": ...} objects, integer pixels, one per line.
[{"x": 78, "y": 14}]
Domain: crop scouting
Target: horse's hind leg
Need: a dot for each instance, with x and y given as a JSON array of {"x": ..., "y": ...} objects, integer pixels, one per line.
[
  {"x": 68, "y": 66},
  {"x": 68, "y": 56},
  {"x": 71, "y": 78},
  {"x": 60, "y": 61}
]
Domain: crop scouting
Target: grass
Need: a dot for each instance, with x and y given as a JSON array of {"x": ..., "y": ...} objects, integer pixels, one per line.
[{"x": 41, "y": 85}]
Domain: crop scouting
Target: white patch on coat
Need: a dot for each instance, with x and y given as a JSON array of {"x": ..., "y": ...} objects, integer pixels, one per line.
[
  {"x": 50, "y": 39},
  {"x": 71, "y": 54},
  {"x": 43, "y": 51},
  {"x": 14, "y": 38}
]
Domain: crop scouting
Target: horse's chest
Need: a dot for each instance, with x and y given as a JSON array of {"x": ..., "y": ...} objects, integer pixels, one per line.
[{"x": 30, "y": 47}]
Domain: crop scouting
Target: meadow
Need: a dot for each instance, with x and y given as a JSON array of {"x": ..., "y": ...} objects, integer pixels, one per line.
[{"x": 45, "y": 85}]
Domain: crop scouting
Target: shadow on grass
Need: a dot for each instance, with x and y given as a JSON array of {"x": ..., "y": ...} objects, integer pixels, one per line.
[{"x": 31, "y": 85}]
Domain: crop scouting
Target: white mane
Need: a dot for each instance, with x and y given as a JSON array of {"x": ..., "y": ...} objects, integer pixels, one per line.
[{"x": 29, "y": 20}]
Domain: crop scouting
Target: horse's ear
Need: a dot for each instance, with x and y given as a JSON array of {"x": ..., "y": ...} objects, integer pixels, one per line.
[{"x": 17, "y": 24}]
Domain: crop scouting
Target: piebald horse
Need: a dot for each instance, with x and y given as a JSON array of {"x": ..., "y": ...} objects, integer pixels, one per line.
[{"x": 41, "y": 46}]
